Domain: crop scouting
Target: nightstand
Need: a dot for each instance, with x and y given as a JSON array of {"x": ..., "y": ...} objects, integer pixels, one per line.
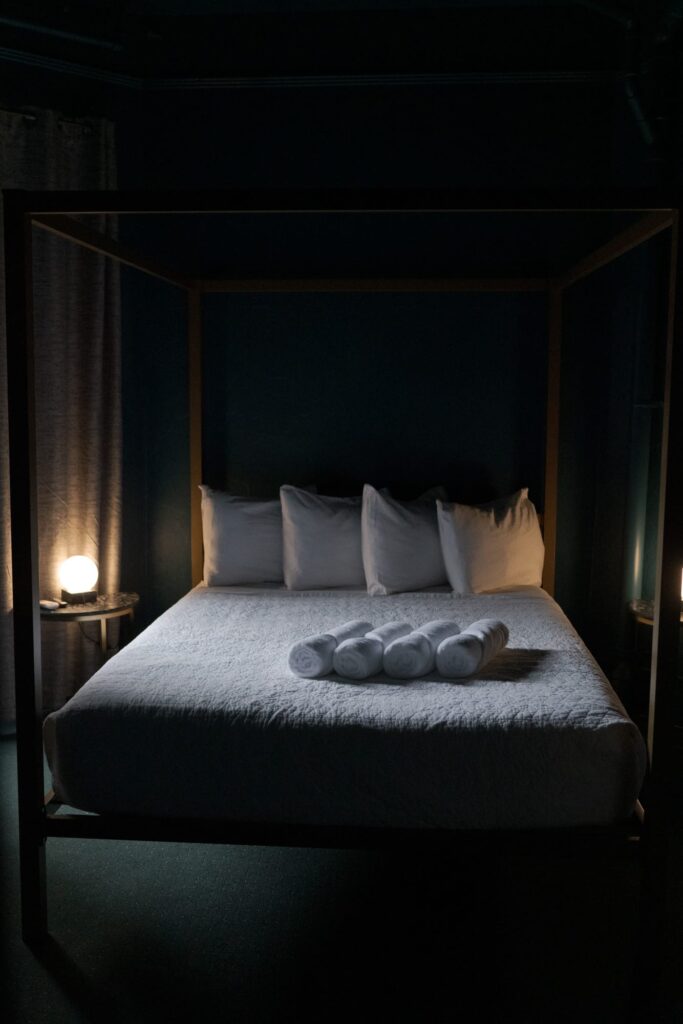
[
  {"x": 107, "y": 606},
  {"x": 637, "y": 696},
  {"x": 644, "y": 612}
]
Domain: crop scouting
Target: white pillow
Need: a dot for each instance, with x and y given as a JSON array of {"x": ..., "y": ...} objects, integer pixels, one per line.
[
  {"x": 242, "y": 539},
  {"x": 321, "y": 540},
  {"x": 489, "y": 547},
  {"x": 401, "y": 546}
]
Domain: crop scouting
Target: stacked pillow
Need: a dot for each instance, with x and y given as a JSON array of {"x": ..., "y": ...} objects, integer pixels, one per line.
[
  {"x": 400, "y": 543},
  {"x": 490, "y": 547},
  {"x": 312, "y": 541},
  {"x": 242, "y": 539},
  {"x": 321, "y": 540}
]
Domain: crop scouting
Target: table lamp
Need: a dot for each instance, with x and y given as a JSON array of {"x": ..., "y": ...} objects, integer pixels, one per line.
[{"x": 78, "y": 579}]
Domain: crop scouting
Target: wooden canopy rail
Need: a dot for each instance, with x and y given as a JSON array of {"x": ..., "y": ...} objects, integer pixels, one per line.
[
  {"x": 51, "y": 210},
  {"x": 76, "y": 231}
]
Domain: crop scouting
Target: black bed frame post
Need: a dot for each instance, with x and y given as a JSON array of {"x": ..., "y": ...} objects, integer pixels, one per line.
[
  {"x": 26, "y": 614},
  {"x": 664, "y": 787}
]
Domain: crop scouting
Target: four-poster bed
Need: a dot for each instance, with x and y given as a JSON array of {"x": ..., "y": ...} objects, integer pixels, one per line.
[{"x": 54, "y": 212}]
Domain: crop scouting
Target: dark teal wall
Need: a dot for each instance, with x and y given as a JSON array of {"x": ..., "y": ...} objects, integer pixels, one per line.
[
  {"x": 400, "y": 390},
  {"x": 156, "y": 514},
  {"x": 614, "y": 324}
]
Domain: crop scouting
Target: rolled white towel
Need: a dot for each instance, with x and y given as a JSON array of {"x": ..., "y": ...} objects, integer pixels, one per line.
[
  {"x": 463, "y": 655},
  {"x": 361, "y": 656},
  {"x": 415, "y": 654},
  {"x": 313, "y": 656},
  {"x": 459, "y": 656},
  {"x": 494, "y": 635}
]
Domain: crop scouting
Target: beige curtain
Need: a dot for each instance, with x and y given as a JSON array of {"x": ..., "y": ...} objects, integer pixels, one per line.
[{"x": 77, "y": 331}]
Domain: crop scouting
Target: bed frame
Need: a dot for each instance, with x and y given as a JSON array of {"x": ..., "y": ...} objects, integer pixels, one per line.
[{"x": 39, "y": 816}]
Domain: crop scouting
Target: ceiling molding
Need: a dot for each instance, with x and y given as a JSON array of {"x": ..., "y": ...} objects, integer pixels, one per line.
[
  {"x": 64, "y": 67},
  {"x": 387, "y": 80},
  {"x": 48, "y": 30},
  {"x": 337, "y": 81}
]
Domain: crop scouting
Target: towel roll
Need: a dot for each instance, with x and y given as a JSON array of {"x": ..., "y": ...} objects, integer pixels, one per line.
[
  {"x": 493, "y": 634},
  {"x": 459, "y": 656},
  {"x": 362, "y": 656},
  {"x": 415, "y": 654},
  {"x": 313, "y": 656},
  {"x": 463, "y": 655}
]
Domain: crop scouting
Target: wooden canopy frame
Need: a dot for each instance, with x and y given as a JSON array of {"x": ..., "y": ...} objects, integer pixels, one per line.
[{"x": 53, "y": 212}]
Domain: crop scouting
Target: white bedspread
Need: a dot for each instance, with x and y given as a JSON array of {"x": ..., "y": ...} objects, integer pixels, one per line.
[{"x": 200, "y": 716}]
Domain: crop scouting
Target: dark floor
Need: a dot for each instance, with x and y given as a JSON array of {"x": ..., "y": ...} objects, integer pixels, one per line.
[{"x": 166, "y": 932}]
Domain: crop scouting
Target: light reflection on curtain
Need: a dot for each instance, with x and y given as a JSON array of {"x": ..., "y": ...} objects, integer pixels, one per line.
[{"x": 77, "y": 326}]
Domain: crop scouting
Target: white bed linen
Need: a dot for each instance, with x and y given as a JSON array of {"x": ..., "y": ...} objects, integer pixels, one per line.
[{"x": 200, "y": 716}]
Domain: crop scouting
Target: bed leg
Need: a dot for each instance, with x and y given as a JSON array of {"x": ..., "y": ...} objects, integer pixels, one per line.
[
  {"x": 653, "y": 923},
  {"x": 32, "y": 842},
  {"x": 33, "y": 887},
  {"x": 32, "y": 830}
]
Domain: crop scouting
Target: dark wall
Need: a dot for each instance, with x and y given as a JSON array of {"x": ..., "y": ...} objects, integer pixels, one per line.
[
  {"x": 611, "y": 418},
  {"x": 400, "y": 390},
  {"x": 156, "y": 516}
]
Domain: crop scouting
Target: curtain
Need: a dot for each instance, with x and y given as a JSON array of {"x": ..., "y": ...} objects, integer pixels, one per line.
[{"x": 77, "y": 337}]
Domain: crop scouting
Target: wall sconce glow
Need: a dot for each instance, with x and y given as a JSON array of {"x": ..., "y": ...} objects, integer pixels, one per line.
[{"x": 78, "y": 579}]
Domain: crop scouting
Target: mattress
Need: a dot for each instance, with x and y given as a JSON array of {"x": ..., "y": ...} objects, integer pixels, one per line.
[{"x": 200, "y": 716}]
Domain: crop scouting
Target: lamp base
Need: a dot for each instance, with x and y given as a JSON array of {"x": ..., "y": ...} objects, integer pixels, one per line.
[{"x": 87, "y": 597}]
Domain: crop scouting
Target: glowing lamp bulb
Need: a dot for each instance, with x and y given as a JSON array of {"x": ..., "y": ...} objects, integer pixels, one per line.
[{"x": 78, "y": 574}]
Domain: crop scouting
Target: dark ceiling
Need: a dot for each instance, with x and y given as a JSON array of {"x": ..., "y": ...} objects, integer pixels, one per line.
[
  {"x": 115, "y": 50},
  {"x": 154, "y": 41}
]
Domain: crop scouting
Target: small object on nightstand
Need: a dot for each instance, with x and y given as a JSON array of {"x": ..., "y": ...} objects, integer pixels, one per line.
[{"x": 47, "y": 605}]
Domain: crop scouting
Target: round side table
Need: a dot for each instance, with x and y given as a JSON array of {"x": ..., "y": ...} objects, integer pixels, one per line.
[
  {"x": 644, "y": 612},
  {"x": 107, "y": 606}
]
